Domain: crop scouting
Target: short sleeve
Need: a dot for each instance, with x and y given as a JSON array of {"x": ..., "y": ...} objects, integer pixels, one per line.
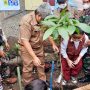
[{"x": 25, "y": 31}]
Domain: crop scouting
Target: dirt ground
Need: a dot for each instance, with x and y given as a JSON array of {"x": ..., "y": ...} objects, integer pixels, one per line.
[
  {"x": 55, "y": 85},
  {"x": 49, "y": 57}
]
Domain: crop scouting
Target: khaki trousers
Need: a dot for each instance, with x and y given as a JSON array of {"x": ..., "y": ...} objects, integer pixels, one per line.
[{"x": 28, "y": 67}]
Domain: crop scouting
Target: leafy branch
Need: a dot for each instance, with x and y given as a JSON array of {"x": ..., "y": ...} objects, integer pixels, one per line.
[{"x": 63, "y": 26}]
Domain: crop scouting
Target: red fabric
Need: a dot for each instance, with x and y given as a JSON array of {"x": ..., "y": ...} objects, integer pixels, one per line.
[
  {"x": 68, "y": 72},
  {"x": 71, "y": 50},
  {"x": 73, "y": 53},
  {"x": 52, "y": 2}
]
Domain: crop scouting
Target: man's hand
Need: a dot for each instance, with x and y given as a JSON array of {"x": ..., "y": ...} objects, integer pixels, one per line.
[
  {"x": 55, "y": 48},
  {"x": 70, "y": 63},
  {"x": 7, "y": 46},
  {"x": 77, "y": 61},
  {"x": 37, "y": 62},
  {"x": 2, "y": 54}
]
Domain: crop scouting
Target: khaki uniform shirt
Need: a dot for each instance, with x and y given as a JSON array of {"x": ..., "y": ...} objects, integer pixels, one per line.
[{"x": 30, "y": 30}]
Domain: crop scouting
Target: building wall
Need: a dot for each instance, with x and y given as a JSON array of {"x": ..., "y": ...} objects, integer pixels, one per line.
[
  {"x": 51, "y": 2},
  {"x": 10, "y": 20}
]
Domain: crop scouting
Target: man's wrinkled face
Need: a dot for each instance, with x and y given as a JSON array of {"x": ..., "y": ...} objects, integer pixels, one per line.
[{"x": 38, "y": 17}]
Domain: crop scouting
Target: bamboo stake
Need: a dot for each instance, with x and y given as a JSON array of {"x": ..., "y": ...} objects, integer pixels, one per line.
[
  {"x": 59, "y": 79},
  {"x": 61, "y": 64},
  {"x": 19, "y": 77}
]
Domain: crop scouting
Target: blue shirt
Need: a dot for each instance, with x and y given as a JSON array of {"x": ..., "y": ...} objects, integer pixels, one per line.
[{"x": 72, "y": 3}]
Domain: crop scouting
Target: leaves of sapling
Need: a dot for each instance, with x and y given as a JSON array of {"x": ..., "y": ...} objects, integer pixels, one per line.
[
  {"x": 48, "y": 32},
  {"x": 63, "y": 32},
  {"x": 84, "y": 27},
  {"x": 55, "y": 34},
  {"x": 48, "y": 23},
  {"x": 71, "y": 29},
  {"x": 51, "y": 17}
]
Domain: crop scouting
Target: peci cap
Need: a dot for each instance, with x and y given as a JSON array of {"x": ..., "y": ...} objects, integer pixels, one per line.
[{"x": 44, "y": 9}]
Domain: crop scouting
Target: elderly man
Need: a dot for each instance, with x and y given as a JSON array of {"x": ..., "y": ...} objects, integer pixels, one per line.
[{"x": 31, "y": 43}]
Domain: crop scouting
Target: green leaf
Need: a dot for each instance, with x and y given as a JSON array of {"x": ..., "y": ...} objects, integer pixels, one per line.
[
  {"x": 53, "y": 20},
  {"x": 63, "y": 12},
  {"x": 55, "y": 34},
  {"x": 71, "y": 22},
  {"x": 48, "y": 23},
  {"x": 51, "y": 17},
  {"x": 67, "y": 15},
  {"x": 63, "y": 32},
  {"x": 64, "y": 18},
  {"x": 84, "y": 27},
  {"x": 48, "y": 33},
  {"x": 77, "y": 30},
  {"x": 17, "y": 46},
  {"x": 75, "y": 22},
  {"x": 71, "y": 29}
]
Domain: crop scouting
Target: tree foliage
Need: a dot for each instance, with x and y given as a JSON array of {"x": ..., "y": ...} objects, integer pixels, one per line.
[{"x": 63, "y": 26}]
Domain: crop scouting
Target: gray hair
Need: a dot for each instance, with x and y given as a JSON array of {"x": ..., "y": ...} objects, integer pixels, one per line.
[{"x": 44, "y": 9}]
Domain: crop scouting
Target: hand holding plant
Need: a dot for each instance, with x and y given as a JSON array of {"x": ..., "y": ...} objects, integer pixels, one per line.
[{"x": 55, "y": 48}]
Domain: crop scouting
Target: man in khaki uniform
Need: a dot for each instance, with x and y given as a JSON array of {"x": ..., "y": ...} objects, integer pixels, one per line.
[{"x": 31, "y": 42}]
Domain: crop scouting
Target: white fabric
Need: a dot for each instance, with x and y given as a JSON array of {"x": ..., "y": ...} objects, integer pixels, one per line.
[
  {"x": 78, "y": 4},
  {"x": 4, "y": 39},
  {"x": 1, "y": 87},
  {"x": 64, "y": 44},
  {"x": 86, "y": 5}
]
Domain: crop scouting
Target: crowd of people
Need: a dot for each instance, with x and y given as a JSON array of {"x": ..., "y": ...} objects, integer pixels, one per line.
[{"x": 32, "y": 50}]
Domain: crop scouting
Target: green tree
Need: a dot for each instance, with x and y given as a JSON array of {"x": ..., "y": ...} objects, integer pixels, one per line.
[{"x": 63, "y": 26}]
